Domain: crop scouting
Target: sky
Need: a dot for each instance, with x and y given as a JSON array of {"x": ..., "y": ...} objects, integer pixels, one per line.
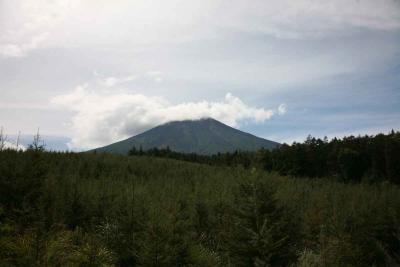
[{"x": 95, "y": 72}]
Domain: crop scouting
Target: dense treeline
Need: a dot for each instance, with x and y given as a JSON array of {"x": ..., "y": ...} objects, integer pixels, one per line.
[
  {"x": 245, "y": 159},
  {"x": 369, "y": 158},
  {"x": 372, "y": 158},
  {"x": 67, "y": 209}
]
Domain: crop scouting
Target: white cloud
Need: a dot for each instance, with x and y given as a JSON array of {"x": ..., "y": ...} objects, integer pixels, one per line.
[
  {"x": 282, "y": 109},
  {"x": 20, "y": 49},
  {"x": 104, "y": 118},
  {"x": 113, "y": 81},
  {"x": 34, "y": 24},
  {"x": 28, "y": 25},
  {"x": 13, "y": 146}
]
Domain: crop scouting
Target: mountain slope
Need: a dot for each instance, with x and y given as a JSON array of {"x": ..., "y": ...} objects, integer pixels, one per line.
[{"x": 205, "y": 136}]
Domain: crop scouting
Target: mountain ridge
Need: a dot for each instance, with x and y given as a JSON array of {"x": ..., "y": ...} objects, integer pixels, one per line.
[{"x": 205, "y": 136}]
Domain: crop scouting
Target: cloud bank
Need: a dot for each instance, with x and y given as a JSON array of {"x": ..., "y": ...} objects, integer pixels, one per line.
[
  {"x": 13, "y": 146},
  {"x": 35, "y": 24},
  {"x": 103, "y": 118}
]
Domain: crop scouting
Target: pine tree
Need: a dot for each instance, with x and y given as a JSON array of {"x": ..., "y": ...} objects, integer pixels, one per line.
[
  {"x": 262, "y": 236},
  {"x": 167, "y": 242},
  {"x": 351, "y": 165}
]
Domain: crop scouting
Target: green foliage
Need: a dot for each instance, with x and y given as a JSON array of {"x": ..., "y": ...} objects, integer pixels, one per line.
[
  {"x": 166, "y": 240},
  {"x": 309, "y": 258},
  {"x": 76, "y": 248},
  {"x": 352, "y": 159},
  {"x": 351, "y": 165},
  {"x": 67, "y": 209},
  {"x": 262, "y": 236},
  {"x": 236, "y": 158}
]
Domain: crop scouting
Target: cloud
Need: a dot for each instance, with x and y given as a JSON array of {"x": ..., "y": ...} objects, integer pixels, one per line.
[
  {"x": 13, "y": 146},
  {"x": 303, "y": 19},
  {"x": 104, "y": 118},
  {"x": 20, "y": 49},
  {"x": 113, "y": 81},
  {"x": 29, "y": 25},
  {"x": 35, "y": 24},
  {"x": 282, "y": 109},
  {"x": 8, "y": 144}
]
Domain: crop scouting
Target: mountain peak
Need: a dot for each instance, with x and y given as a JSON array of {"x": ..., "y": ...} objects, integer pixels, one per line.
[
  {"x": 204, "y": 136},
  {"x": 205, "y": 119}
]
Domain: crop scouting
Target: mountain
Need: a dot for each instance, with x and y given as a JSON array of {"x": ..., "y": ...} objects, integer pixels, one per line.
[{"x": 205, "y": 136}]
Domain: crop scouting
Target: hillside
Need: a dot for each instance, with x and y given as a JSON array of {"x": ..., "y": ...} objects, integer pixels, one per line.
[
  {"x": 84, "y": 209},
  {"x": 206, "y": 137}
]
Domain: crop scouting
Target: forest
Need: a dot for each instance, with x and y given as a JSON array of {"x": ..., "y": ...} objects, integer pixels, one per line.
[
  {"x": 298, "y": 205},
  {"x": 350, "y": 159}
]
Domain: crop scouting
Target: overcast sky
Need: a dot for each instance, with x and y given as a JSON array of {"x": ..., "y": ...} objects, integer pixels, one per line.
[{"x": 98, "y": 71}]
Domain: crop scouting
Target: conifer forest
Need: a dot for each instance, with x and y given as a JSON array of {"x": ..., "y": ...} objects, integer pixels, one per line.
[{"x": 317, "y": 203}]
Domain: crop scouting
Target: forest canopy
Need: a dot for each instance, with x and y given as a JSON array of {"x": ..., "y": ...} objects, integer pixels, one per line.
[
  {"x": 350, "y": 159},
  {"x": 86, "y": 209}
]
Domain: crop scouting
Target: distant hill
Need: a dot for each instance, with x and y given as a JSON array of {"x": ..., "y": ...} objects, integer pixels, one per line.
[{"x": 205, "y": 136}]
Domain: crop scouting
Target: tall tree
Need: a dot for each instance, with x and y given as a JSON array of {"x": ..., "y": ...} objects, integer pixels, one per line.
[{"x": 262, "y": 236}]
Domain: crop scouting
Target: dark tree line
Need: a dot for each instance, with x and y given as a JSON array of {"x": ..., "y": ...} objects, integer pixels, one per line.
[
  {"x": 369, "y": 158},
  {"x": 245, "y": 159}
]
